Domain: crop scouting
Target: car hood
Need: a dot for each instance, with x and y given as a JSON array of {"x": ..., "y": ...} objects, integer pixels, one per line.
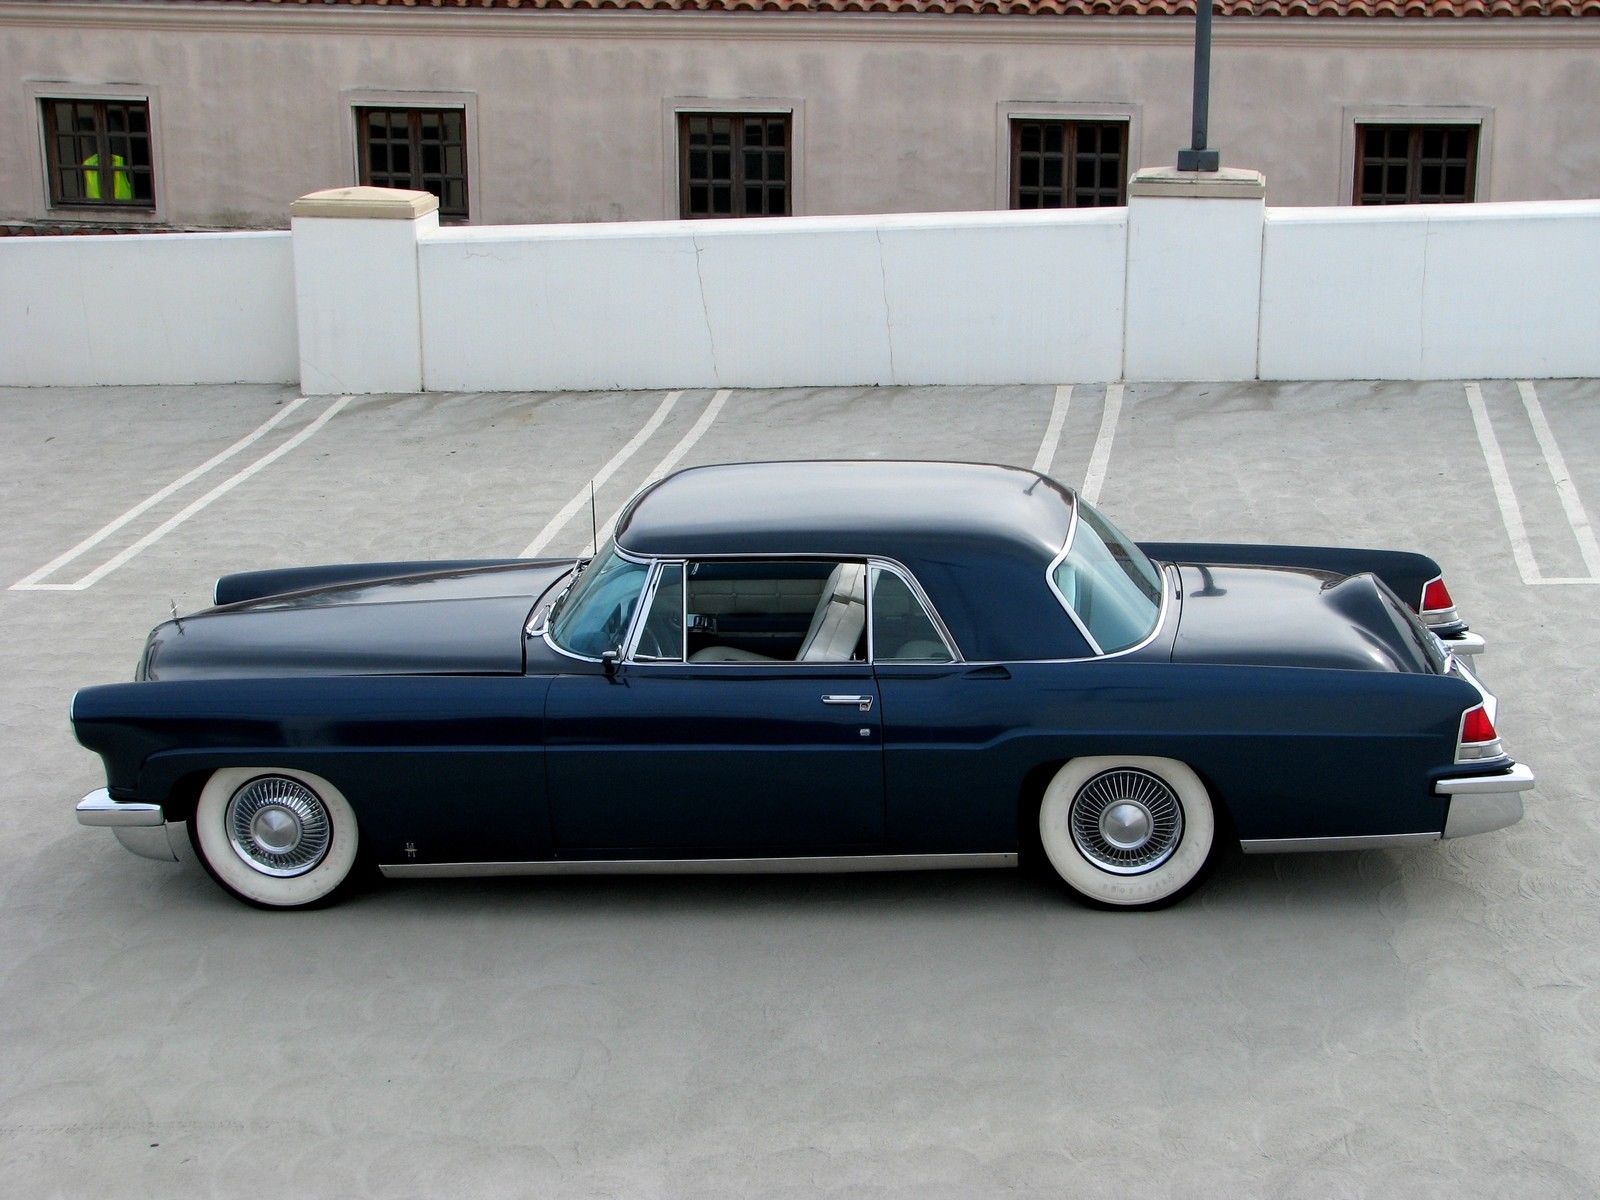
[
  {"x": 466, "y": 622},
  {"x": 1290, "y": 617}
]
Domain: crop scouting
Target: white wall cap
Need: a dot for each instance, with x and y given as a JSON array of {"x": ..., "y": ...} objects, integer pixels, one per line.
[
  {"x": 1402, "y": 214},
  {"x": 1230, "y": 183},
  {"x": 781, "y": 226},
  {"x": 366, "y": 203}
]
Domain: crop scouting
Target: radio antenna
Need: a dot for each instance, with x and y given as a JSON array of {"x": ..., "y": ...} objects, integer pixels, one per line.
[{"x": 594, "y": 524}]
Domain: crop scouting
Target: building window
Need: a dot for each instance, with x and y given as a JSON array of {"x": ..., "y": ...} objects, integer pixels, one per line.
[
  {"x": 1068, "y": 164},
  {"x": 98, "y": 153},
  {"x": 733, "y": 164},
  {"x": 420, "y": 149},
  {"x": 1415, "y": 164}
]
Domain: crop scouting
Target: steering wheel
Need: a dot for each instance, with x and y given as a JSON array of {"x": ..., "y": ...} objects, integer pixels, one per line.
[{"x": 649, "y": 643}]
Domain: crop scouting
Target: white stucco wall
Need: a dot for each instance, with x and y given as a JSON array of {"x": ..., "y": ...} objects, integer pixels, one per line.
[
  {"x": 147, "y": 309},
  {"x": 944, "y": 298},
  {"x": 1431, "y": 293}
]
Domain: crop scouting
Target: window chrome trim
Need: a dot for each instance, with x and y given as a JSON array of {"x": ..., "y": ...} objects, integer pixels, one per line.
[
  {"x": 1050, "y": 578},
  {"x": 868, "y": 560},
  {"x": 784, "y": 865},
  {"x": 1169, "y": 589},
  {"x": 647, "y": 601}
]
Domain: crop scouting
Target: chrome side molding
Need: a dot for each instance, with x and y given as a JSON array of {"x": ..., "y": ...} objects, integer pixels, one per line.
[
  {"x": 811, "y": 864},
  {"x": 1377, "y": 841}
]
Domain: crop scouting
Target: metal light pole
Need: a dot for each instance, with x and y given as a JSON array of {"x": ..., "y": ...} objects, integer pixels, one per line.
[{"x": 1197, "y": 157}]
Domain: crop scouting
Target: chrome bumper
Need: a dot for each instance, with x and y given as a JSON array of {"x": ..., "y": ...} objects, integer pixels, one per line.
[
  {"x": 1466, "y": 644},
  {"x": 1480, "y": 803},
  {"x": 143, "y": 829}
]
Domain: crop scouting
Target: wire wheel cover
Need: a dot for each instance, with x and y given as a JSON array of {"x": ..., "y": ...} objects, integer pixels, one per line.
[
  {"x": 278, "y": 826},
  {"x": 1126, "y": 821}
]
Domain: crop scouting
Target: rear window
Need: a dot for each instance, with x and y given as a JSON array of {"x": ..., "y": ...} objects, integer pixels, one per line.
[{"x": 1108, "y": 583}]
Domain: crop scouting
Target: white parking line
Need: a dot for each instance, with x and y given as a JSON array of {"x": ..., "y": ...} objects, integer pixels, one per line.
[
  {"x": 1571, "y": 502},
  {"x": 570, "y": 509},
  {"x": 178, "y": 518},
  {"x": 105, "y": 531},
  {"x": 675, "y": 455},
  {"x": 1101, "y": 455},
  {"x": 1504, "y": 494},
  {"x": 1052, "y": 432}
]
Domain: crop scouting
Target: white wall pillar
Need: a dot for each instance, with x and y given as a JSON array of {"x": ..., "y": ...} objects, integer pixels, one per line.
[
  {"x": 1194, "y": 273},
  {"x": 356, "y": 288}
]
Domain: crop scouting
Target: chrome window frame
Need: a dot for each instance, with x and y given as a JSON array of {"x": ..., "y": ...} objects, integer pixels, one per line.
[
  {"x": 917, "y": 594},
  {"x": 870, "y": 561},
  {"x": 628, "y": 634}
]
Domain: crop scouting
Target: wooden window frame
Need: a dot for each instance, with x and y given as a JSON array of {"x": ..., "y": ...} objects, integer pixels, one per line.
[
  {"x": 361, "y": 108},
  {"x": 1344, "y": 179},
  {"x": 1071, "y": 126},
  {"x": 55, "y": 170},
  {"x": 1415, "y": 133},
  {"x": 737, "y": 182}
]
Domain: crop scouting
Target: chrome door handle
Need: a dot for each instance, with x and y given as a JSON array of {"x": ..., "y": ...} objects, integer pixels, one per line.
[{"x": 863, "y": 703}]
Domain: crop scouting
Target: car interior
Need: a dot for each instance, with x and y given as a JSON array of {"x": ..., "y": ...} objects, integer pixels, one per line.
[{"x": 785, "y": 611}]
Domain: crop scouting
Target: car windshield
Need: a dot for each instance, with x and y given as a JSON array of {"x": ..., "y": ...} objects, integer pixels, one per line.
[
  {"x": 1109, "y": 583},
  {"x": 594, "y": 617}
]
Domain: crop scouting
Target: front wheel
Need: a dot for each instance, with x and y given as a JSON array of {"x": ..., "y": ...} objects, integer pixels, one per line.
[
  {"x": 1128, "y": 832},
  {"x": 275, "y": 837}
]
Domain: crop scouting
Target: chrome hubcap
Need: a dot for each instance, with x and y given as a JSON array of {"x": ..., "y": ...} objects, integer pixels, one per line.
[
  {"x": 278, "y": 826},
  {"x": 1126, "y": 821}
]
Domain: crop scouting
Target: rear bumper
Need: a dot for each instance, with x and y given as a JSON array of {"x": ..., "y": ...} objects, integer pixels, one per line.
[
  {"x": 1481, "y": 803},
  {"x": 1464, "y": 643},
  {"x": 143, "y": 829}
]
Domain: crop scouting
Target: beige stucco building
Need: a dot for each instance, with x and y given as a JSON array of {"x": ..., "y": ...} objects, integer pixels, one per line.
[{"x": 223, "y": 111}]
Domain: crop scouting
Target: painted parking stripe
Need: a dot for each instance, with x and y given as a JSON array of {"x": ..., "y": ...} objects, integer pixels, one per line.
[
  {"x": 178, "y": 518},
  {"x": 675, "y": 455},
  {"x": 1506, "y": 496},
  {"x": 1571, "y": 502},
  {"x": 1100, "y": 457},
  {"x": 183, "y": 481},
  {"x": 1052, "y": 432},
  {"x": 570, "y": 509}
]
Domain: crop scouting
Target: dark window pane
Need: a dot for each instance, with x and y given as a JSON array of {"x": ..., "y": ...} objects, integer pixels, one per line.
[{"x": 733, "y": 164}]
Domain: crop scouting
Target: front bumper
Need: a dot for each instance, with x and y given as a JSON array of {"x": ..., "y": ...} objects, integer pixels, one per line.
[
  {"x": 1481, "y": 803},
  {"x": 142, "y": 828}
]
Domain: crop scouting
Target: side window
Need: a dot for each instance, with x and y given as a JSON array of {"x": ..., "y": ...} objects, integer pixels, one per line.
[
  {"x": 661, "y": 635},
  {"x": 776, "y": 611},
  {"x": 902, "y": 631}
]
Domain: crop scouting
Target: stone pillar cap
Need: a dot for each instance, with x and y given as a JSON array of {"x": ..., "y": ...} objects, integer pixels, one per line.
[
  {"x": 1230, "y": 183},
  {"x": 366, "y": 203}
]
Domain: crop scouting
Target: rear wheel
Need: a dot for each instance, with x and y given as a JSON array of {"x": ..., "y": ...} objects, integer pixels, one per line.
[
  {"x": 1128, "y": 832},
  {"x": 275, "y": 837}
]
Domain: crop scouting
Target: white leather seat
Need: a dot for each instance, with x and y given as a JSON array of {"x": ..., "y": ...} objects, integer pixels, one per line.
[{"x": 836, "y": 625}]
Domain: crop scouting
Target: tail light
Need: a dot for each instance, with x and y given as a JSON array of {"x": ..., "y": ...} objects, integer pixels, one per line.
[
  {"x": 1437, "y": 607},
  {"x": 1478, "y": 738}
]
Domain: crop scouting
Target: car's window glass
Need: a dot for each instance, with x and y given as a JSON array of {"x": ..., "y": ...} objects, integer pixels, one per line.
[
  {"x": 594, "y": 617},
  {"x": 776, "y": 610},
  {"x": 902, "y": 631},
  {"x": 661, "y": 635},
  {"x": 1109, "y": 582}
]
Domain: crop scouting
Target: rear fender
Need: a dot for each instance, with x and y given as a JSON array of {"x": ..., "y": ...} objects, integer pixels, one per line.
[{"x": 1406, "y": 573}]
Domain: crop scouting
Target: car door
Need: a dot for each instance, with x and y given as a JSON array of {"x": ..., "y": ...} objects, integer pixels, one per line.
[{"x": 693, "y": 748}]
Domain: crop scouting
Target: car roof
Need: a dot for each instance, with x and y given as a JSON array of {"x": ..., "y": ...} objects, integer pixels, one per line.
[{"x": 899, "y": 509}]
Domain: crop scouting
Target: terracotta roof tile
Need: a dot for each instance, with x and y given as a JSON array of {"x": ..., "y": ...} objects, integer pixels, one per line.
[{"x": 1390, "y": 9}]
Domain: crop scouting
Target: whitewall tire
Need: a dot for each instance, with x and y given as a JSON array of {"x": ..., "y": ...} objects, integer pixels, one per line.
[
  {"x": 275, "y": 837},
  {"x": 1128, "y": 831}
]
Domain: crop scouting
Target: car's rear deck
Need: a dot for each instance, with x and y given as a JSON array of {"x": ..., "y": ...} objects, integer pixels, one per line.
[{"x": 1318, "y": 1025}]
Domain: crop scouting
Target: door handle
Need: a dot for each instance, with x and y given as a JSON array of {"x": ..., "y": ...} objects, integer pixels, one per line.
[{"x": 862, "y": 703}]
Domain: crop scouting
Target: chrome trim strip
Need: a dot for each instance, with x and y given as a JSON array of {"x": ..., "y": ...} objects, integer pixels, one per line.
[
  {"x": 99, "y": 810},
  {"x": 1375, "y": 841},
  {"x": 1518, "y": 779},
  {"x": 1473, "y": 814},
  {"x": 817, "y": 864},
  {"x": 932, "y": 613},
  {"x": 1464, "y": 643},
  {"x": 1050, "y": 580}
]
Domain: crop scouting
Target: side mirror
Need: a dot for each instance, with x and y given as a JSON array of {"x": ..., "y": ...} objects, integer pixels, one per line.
[{"x": 608, "y": 662}]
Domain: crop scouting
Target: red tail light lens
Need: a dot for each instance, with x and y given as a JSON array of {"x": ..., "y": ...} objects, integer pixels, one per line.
[
  {"x": 1436, "y": 597},
  {"x": 1478, "y": 737}
]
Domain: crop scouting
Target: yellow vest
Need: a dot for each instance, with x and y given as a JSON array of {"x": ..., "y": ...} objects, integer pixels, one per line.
[{"x": 121, "y": 183}]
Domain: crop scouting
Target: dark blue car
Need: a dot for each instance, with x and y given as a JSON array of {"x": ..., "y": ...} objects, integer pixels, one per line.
[{"x": 809, "y": 666}]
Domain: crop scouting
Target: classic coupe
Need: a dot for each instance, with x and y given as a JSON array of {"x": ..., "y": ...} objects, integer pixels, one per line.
[{"x": 808, "y": 666}]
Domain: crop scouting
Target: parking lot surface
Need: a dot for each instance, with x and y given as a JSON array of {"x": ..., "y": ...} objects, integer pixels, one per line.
[{"x": 1391, "y": 1023}]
